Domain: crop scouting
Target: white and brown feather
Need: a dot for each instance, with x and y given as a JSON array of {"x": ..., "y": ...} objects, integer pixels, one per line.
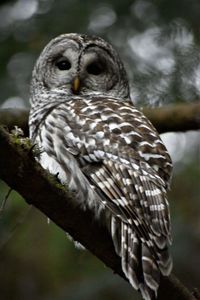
[
  {"x": 121, "y": 155},
  {"x": 107, "y": 151}
]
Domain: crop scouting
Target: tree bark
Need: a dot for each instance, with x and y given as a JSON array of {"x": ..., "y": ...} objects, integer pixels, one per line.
[{"x": 21, "y": 172}]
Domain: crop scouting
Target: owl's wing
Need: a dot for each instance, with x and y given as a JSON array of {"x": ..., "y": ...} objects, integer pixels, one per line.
[
  {"x": 140, "y": 224},
  {"x": 136, "y": 192},
  {"x": 105, "y": 140},
  {"x": 131, "y": 159}
]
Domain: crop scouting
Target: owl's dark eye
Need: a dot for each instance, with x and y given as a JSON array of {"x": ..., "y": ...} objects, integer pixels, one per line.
[
  {"x": 96, "y": 68},
  {"x": 63, "y": 64}
]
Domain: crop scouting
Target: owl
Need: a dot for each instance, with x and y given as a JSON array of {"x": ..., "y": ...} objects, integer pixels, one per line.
[{"x": 105, "y": 150}]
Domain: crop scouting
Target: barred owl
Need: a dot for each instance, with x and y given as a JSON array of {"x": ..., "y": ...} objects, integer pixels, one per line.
[{"x": 102, "y": 147}]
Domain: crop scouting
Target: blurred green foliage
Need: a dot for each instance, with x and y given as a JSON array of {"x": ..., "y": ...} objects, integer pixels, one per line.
[{"x": 159, "y": 42}]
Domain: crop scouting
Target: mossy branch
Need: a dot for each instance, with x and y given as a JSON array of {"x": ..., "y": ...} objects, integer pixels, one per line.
[{"x": 21, "y": 172}]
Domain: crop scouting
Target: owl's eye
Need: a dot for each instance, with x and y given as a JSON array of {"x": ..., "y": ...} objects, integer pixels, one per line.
[
  {"x": 95, "y": 68},
  {"x": 63, "y": 64}
]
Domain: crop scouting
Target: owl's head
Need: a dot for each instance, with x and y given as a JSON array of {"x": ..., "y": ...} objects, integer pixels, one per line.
[{"x": 76, "y": 64}]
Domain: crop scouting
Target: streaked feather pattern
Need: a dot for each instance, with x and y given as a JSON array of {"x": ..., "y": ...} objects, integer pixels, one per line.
[
  {"x": 130, "y": 184},
  {"x": 105, "y": 150}
]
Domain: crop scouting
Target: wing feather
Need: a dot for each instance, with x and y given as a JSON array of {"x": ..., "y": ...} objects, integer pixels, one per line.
[{"x": 128, "y": 178}]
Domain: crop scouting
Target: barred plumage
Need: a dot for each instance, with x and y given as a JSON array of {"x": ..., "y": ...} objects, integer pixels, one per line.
[{"x": 102, "y": 147}]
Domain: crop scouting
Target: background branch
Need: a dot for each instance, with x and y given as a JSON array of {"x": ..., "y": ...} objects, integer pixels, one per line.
[
  {"x": 179, "y": 117},
  {"x": 40, "y": 189}
]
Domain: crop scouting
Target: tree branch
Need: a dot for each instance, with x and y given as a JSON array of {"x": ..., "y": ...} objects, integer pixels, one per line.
[
  {"x": 40, "y": 189},
  {"x": 179, "y": 117}
]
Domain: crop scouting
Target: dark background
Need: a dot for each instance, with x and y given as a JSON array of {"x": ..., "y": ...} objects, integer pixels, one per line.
[{"x": 159, "y": 42}]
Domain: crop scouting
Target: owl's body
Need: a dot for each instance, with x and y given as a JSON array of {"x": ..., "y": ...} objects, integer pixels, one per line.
[{"x": 107, "y": 151}]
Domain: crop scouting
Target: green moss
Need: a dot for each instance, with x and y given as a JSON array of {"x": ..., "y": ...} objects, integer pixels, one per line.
[
  {"x": 60, "y": 186},
  {"x": 17, "y": 137}
]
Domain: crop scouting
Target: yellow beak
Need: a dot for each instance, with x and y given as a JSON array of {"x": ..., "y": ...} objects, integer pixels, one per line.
[{"x": 76, "y": 83}]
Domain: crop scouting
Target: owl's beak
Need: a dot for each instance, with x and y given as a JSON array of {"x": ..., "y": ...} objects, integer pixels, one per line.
[{"x": 76, "y": 83}]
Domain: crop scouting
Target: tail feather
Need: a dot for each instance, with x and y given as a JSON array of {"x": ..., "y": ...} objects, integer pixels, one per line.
[
  {"x": 129, "y": 257},
  {"x": 140, "y": 264},
  {"x": 146, "y": 292},
  {"x": 150, "y": 269},
  {"x": 165, "y": 262}
]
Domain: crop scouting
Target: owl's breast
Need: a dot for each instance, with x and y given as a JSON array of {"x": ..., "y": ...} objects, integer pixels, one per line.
[{"x": 59, "y": 157}]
